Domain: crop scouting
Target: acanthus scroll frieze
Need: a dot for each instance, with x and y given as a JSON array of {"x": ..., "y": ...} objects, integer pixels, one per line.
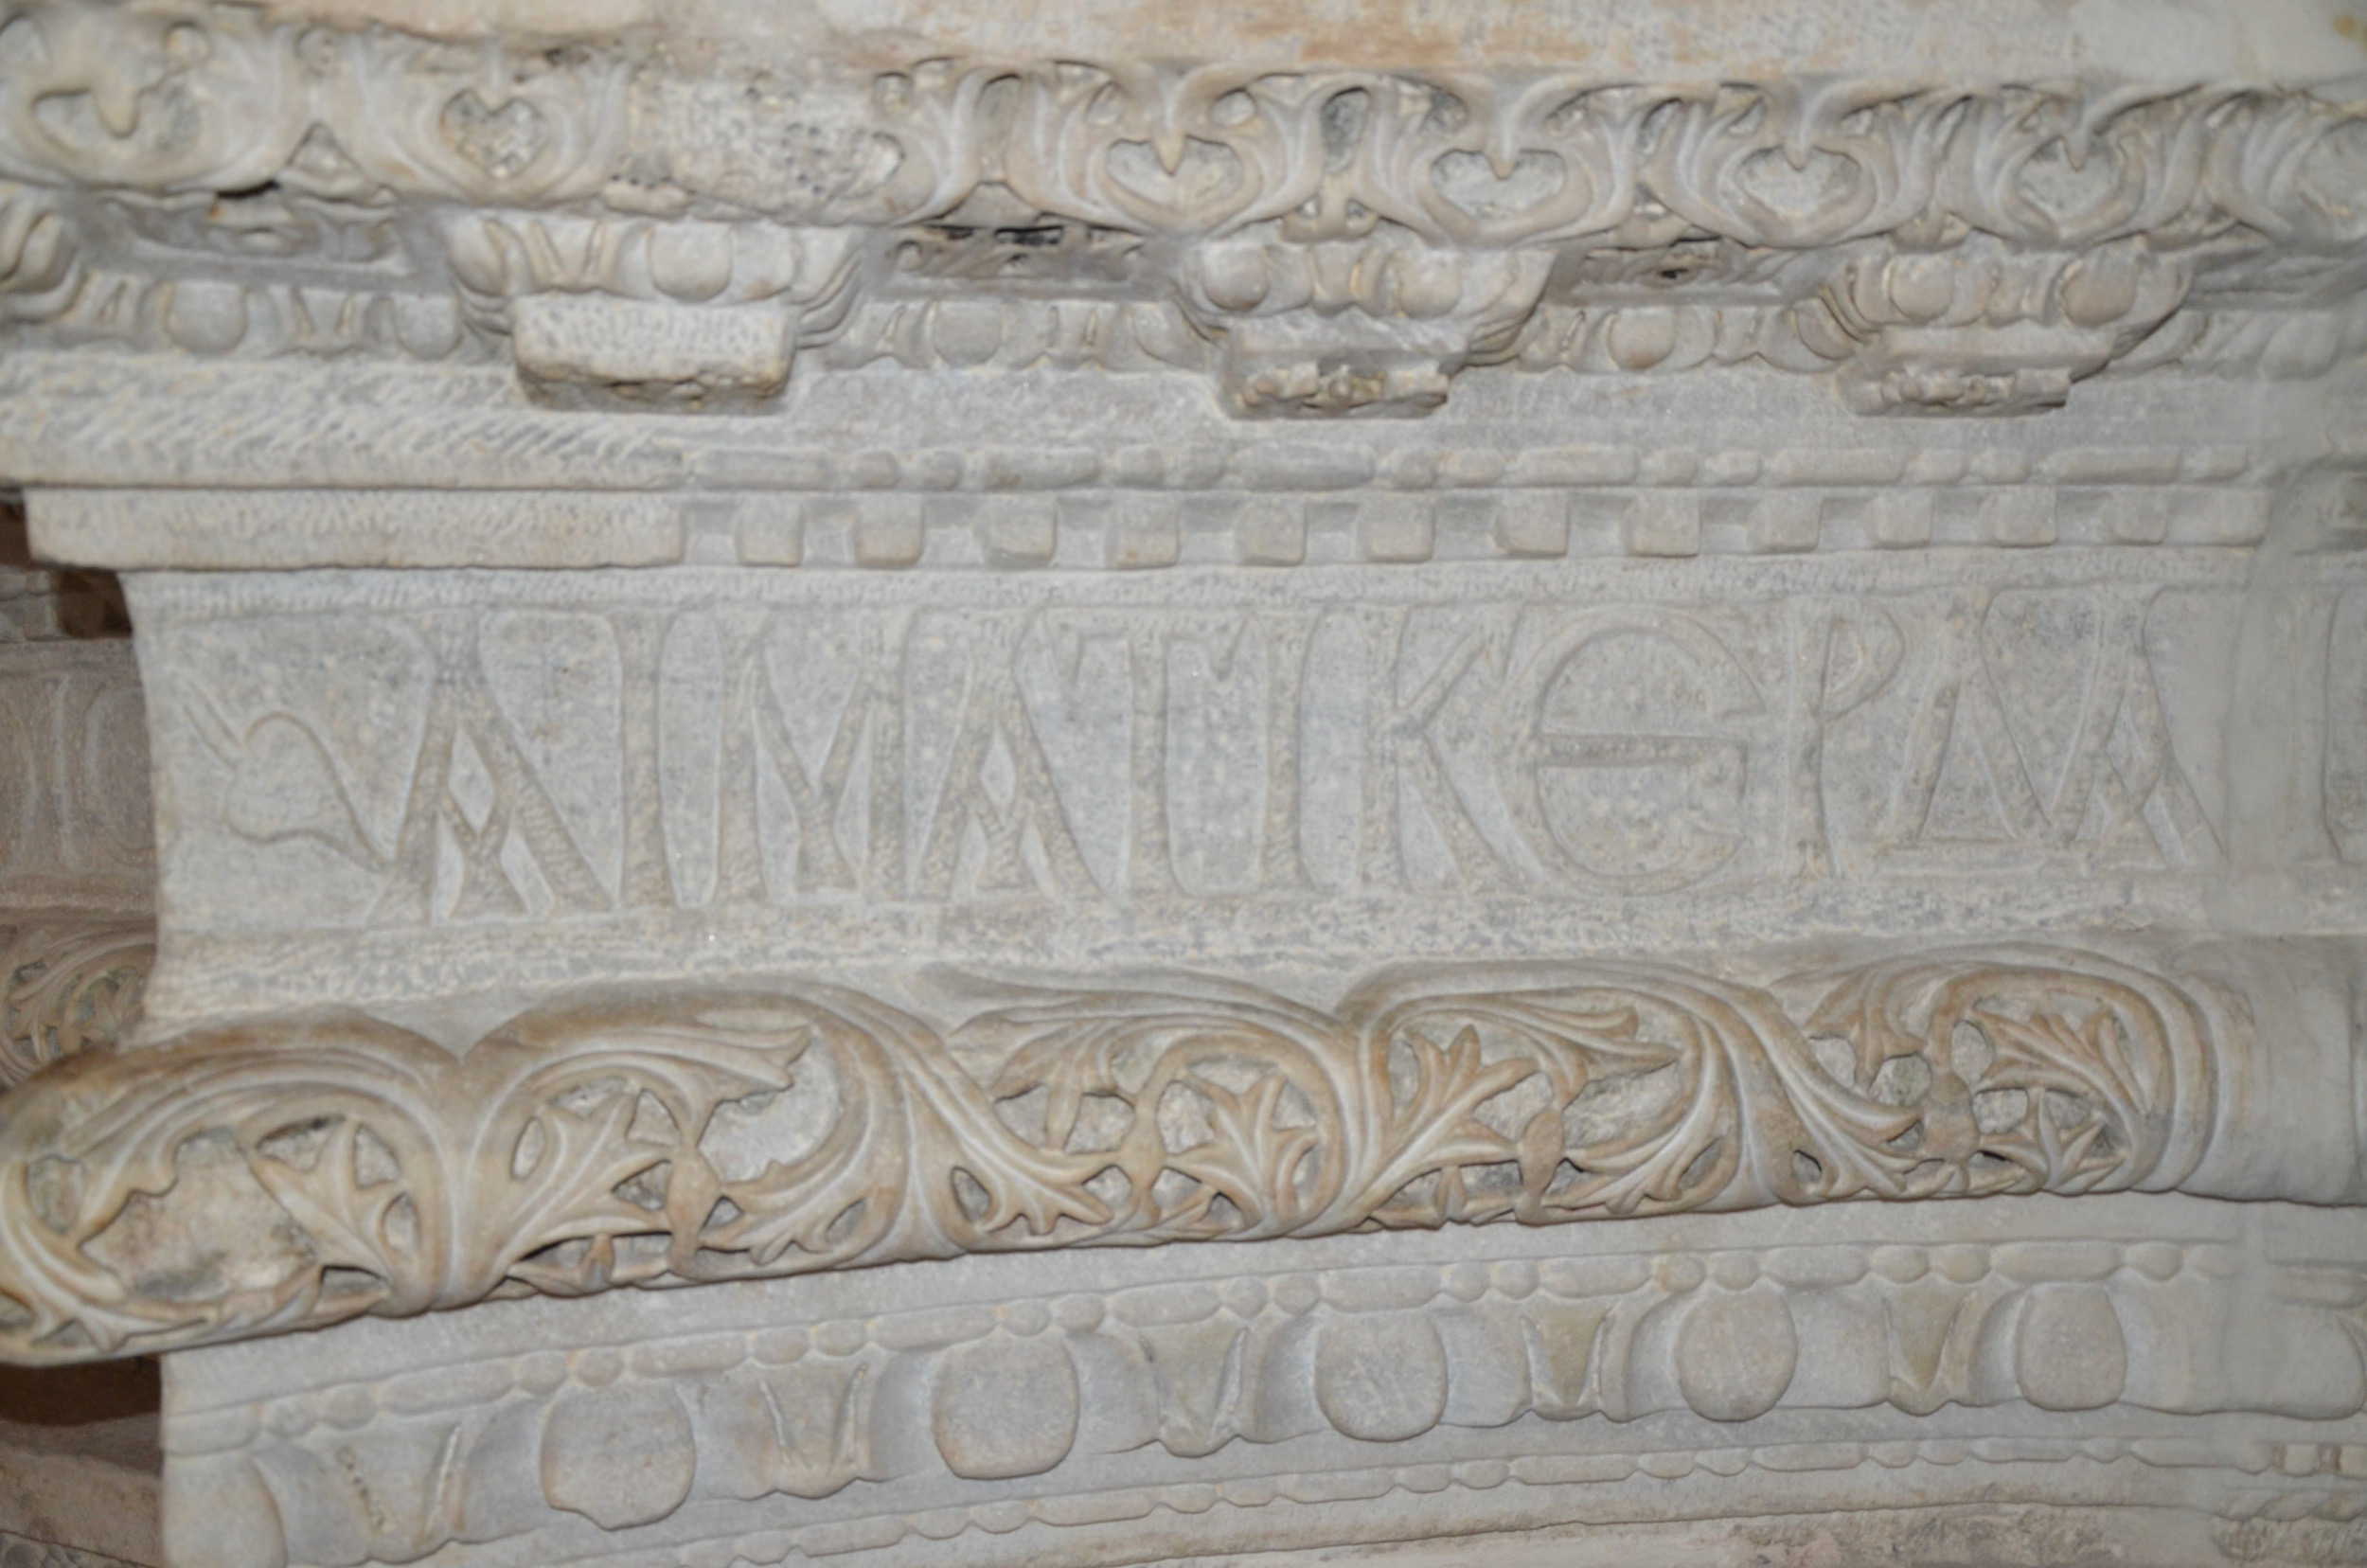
[
  {"x": 1328, "y": 241},
  {"x": 259, "y": 1177}
]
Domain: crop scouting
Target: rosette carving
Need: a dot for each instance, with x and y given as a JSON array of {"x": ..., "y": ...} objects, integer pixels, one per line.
[{"x": 1979, "y": 330}]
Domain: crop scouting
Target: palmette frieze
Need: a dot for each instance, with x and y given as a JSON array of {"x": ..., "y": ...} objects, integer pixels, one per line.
[
  {"x": 279, "y": 1174},
  {"x": 632, "y": 230},
  {"x": 165, "y": 99}
]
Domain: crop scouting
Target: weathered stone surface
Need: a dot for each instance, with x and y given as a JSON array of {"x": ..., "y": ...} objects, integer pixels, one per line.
[
  {"x": 674, "y": 1138},
  {"x": 826, "y": 684},
  {"x": 656, "y": 214},
  {"x": 73, "y": 984},
  {"x": 76, "y": 856},
  {"x": 531, "y": 779},
  {"x": 2270, "y": 40},
  {"x": 1710, "y": 1373},
  {"x": 18, "y": 1551}
]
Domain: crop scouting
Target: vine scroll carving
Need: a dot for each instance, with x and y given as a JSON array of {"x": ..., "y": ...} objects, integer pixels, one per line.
[{"x": 270, "y": 1176}]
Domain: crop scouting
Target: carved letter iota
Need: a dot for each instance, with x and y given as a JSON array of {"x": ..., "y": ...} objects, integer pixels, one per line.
[{"x": 74, "y": 807}]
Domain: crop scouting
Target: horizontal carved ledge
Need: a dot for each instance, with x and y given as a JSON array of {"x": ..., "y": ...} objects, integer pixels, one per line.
[
  {"x": 139, "y": 478},
  {"x": 1336, "y": 514},
  {"x": 1685, "y": 1368},
  {"x": 635, "y": 231},
  {"x": 280, "y": 1174},
  {"x": 16, "y": 1549}
]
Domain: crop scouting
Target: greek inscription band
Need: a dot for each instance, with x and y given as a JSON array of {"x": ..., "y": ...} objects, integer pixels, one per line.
[{"x": 944, "y": 753}]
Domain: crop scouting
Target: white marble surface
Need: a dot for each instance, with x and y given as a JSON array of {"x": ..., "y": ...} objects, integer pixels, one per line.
[{"x": 1662, "y": 700}]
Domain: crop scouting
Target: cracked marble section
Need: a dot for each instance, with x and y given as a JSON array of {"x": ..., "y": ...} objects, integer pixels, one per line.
[{"x": 941, "y": 784}]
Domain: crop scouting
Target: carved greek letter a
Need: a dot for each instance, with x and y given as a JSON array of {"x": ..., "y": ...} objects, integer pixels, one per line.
[
  {"x": 993, "y": 713},
  {"x": 459, "y": 710}
]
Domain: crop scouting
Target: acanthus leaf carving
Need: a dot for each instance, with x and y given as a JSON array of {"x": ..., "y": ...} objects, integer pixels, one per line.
[
  {"x": 574, "y": 1150},
  {"x": 67, "y": 988},
  {"x": 1497, "y": 180}
]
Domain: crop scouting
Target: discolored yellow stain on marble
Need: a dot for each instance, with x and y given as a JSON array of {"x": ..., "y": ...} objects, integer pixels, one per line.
[
  {"x": 476, "y": 18},
  {"x": 1402, "y": 36},
  {"x": 1953, "y": 39}
]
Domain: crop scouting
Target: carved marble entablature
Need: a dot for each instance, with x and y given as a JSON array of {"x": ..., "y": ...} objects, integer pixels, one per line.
[
  {"x": 628, "y": 219},
  {"x": 977, "y": 785}
]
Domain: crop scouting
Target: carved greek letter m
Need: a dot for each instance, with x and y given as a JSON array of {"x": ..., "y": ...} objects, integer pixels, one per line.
[{"x": 2121, "y": 777}]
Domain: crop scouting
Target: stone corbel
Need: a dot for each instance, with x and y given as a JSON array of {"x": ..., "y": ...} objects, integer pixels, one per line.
[
  {"x": 681, "y": 314},
  {"x": 1354, "y": 326},
  {"x": 1986, "y": 330}
]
